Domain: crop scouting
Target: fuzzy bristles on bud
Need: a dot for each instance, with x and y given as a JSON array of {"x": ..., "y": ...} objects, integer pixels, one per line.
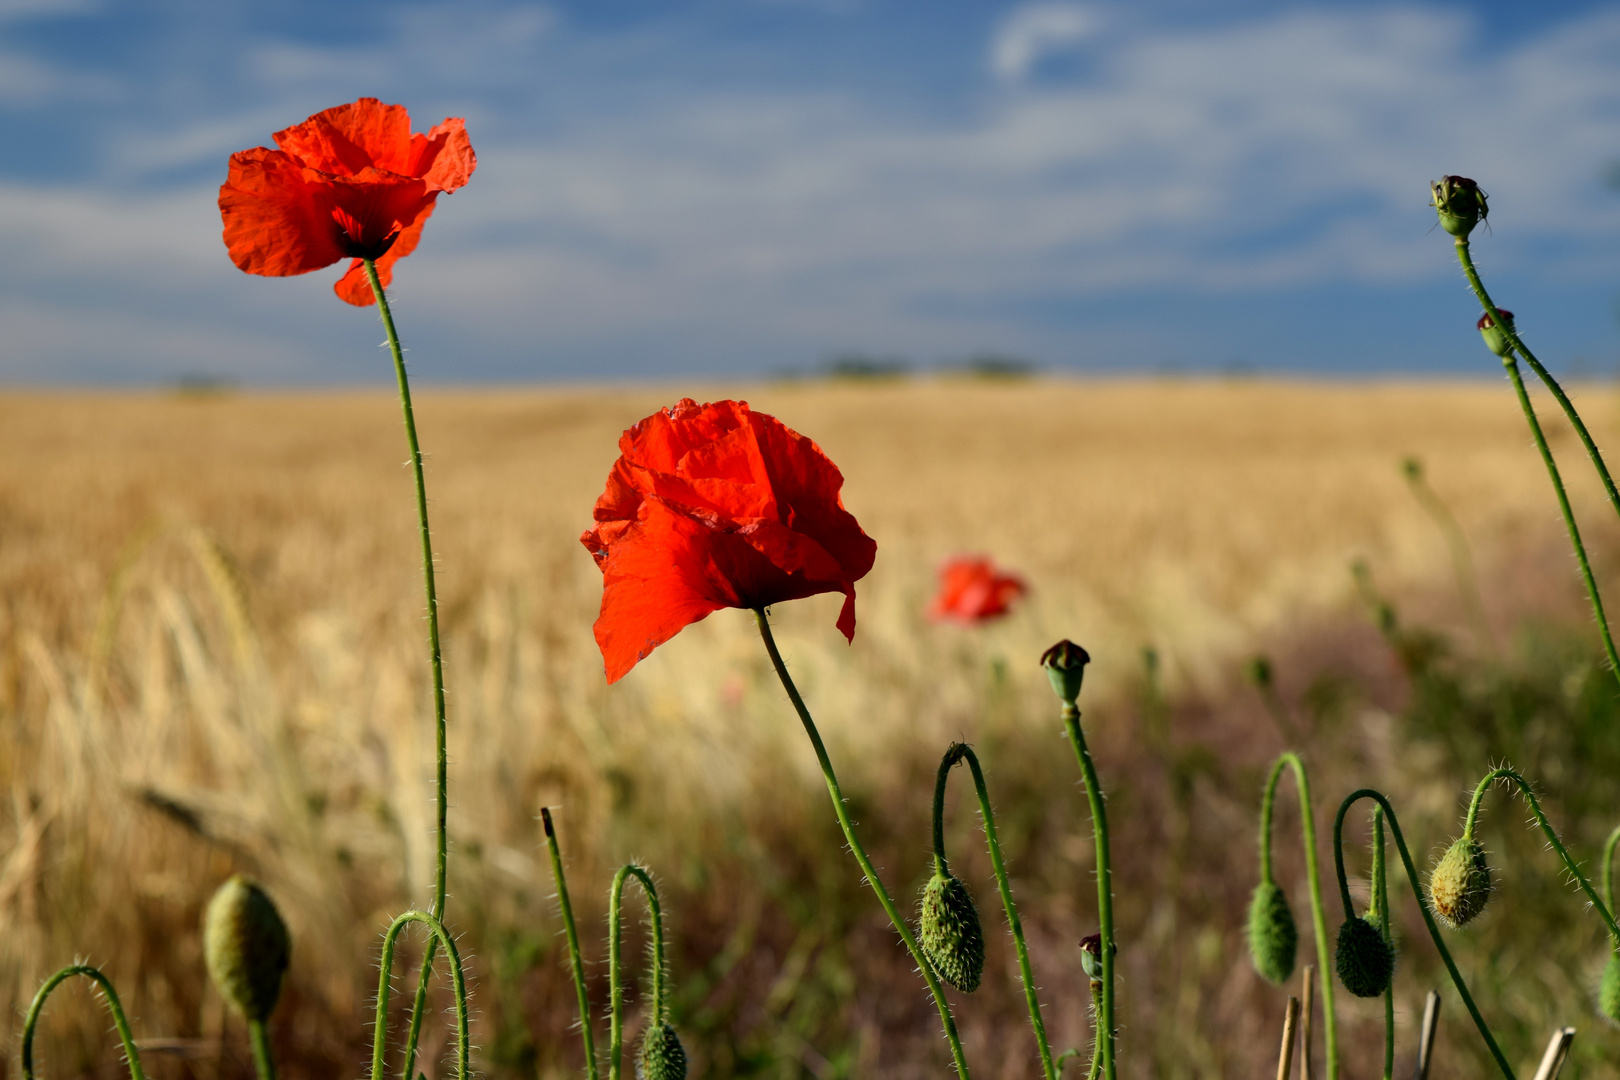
[
  {"x": 1608, "y": 1002},
  {"x": 951, "y": 936},
  {"x": 246, "y": 946},
  {"x": 1460, "y": 885},
  {"x": 1459, "y": 203},
  {"x": 1366, "y": 961},
  {"x": 1273, "y": 936},
  {"x": 662, "y": 1057}
]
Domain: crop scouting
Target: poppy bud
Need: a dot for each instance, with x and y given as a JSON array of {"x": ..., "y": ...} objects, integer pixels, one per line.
[
  {"x": 246, "y": 946},
  {"x": 951, "y": 937},
  {"x": 1365, "y": 959},
  {"x": 1495, "y": 339},
  {"x": 1091, "y": 956},
  {"x": 1459, "y": 203},
  {"x": 1609, "y": 990},
  {"x": 1259, "y": 672},
  {"x": 1461, "y": 883},
  {"x": 1065, "y": 665},
  {"x": 1273, "y": 936},
  {"x": 662, "y": 1057}
]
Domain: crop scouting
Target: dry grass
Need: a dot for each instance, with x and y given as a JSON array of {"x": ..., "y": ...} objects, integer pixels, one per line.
[{"x": 210, "y": 658}]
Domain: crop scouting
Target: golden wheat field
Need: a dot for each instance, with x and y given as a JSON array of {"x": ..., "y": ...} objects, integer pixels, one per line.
[{"x": 211, "y": 659}]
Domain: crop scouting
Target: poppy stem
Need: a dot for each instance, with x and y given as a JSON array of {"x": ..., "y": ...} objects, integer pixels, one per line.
[
  {"x": 434, "y": 657},
  {"x": 658, "y": 1012},
  {"x": 1307, "y": 815},
  {"x": 263, "y": 1063},
  {"x": 1105, "y": 884},
  {"x": 872, "y": 879},
  {"x": 1380, "y": 891},
  {"x": 379, "y": 1043},
  {"x": 131, "y": 1056},
  {"x": 576, "y": 962},
  {"x": 1511, "y": 363}
]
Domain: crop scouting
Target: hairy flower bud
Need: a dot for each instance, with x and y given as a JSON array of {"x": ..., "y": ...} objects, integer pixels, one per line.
[
  {"x": 1273, "y": 936},
  {"x": 1608, "y": 1002},
  {"x": 1065, "y": 665},
  {"x": 246, "y": 946},
  {"x": 1091, "y": 956},
  {"x": 1460, "y": 884},
  {"x": 1459, "y": 203},
  {"x": 1364, "y": 957},
  {"x": 662, "y": 1057},
  {"x": 951, "y": 937},
  {"x": 1495, "y": 339}
]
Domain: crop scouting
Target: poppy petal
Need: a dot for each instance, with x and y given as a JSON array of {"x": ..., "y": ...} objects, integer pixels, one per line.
[
  {"x": 277, "y": 223},
  {"x": 444, "y": 157},
  {"x": 354, "y": 288},
  {"x": 347, "y": 138}
]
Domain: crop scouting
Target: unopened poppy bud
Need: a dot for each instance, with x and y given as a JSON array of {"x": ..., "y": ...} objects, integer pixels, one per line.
[
  {"x": 246, "y": 947},
  {"x": 1459, "y": 203},
  {"x": 1460, "y": 885},
  {"x": 1273, "y": 935},
  {"x": 1091, "y": 956},
  {"x": 1365, "y": 959},
  {"x": 951, "y": 936},
  {"x": 1065, "y": 665},
  {"x": 1609, "y": 990},
  {"x": 662, "y": 1057},
  {"x": 1495, "y": 339}
]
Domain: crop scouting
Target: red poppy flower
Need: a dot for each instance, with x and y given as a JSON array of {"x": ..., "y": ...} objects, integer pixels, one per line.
[
  {"x": 972, "y": 590},
  {"x": 715, "y": 506},
  {"x": 349, "y": 182}
]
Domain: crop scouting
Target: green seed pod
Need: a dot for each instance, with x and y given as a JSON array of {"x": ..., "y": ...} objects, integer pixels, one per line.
[
  {"x": 1366, "y": 961},
  {"x": 1609, "y": 990},
  {"x": 1495, "y": 339},
  {"x": 1273, "y": 936},
  {"x": 1459, "y": 203},
  {"x": 1460, "y": 884},
  {"x": 1065, "y": 665},
  {"x": 662, "y": 1057},
  {"x": 951, "y": 937},
  {"x": 246, "y": 946}
]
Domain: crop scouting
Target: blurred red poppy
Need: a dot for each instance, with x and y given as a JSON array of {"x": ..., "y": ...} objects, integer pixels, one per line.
[
  {"x": 715, "y": 506},
  {"x": 972, "y": 590},
  {"x": 349, "y": 182}
]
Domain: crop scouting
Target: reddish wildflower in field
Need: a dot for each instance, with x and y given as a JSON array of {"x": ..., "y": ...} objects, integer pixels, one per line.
[
  {"x": 715, "y": 506},
  {"x": 349, "y": 182},
  {"x": 972, "y": 590}
]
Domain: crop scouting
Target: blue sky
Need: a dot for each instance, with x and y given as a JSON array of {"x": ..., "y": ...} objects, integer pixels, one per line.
[{"x": 740, "y": 187}]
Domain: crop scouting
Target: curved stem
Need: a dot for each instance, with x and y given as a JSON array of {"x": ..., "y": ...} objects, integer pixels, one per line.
[
  {"x": 872, "y": 879},
  {"x": 263, "y": 1063},
  {"x": 1603, "y": 909},
  {"x": 131, "y": 1055},
  {"x": 659, "y": 1011},
  {"x": 1380, "y": 891},
  {"x": 1423, "y": 907},
  {"x": 1608, "y": 867},
  {"x": 434, "y": 658},
  {"x": 576, "y": 962},
  {"x": 1324, "y": 964},
  {"x": 960, "y": 752},
  {"x": 379, "y": 1037},
  {"x": 1105, "y": 880},
  {"x": 1511, "y": 364}
]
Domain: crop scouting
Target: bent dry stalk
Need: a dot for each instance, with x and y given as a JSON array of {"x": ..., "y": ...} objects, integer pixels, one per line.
[
  {"x": 962, "y": 752},
  {"x": 1423, "y": 907},
  {"x": 435, "y": 661},
  {"x": 842, "y": 811},
  {"x": 132, "y": 1056},
  {"x": 1307, "y": 813}
]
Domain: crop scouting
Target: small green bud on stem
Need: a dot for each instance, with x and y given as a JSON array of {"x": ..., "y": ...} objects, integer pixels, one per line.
[
  {"x": 1091, "y": 956},
  {"x": 246, "y": 946},
  {"x": 1459, "y": 203},
  {"x": 951, "y": 936},
  {"x": 1460, "y": 885},
  {"x": 1495, "y": 339},
  {"x": 1364, "y": 958},
  {"x": 1273, "y": 935},
  {"x": 1065, "y": 665},
  {"x": 661, "y": 1057}
]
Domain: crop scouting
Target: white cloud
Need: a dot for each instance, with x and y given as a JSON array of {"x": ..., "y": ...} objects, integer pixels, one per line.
[{"x": 1037, "y": 30}]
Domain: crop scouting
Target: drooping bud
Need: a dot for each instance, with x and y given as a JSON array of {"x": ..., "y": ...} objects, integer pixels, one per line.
[
  {"x": 1065, "y": 665},
  {"x": 951, "y": 936},
  {"x": 1273, "y": 935},
  {"x": 1495, "y": 339},
  {"x": 1364, "y": 958},
  {"x": 246, "y": 947},
  {"x": 1609, "y": 990},
  {"x": 1459, "y": 203},
  {"x": 1460, "y": 885},
  {"x": 661, "y": 1057}
]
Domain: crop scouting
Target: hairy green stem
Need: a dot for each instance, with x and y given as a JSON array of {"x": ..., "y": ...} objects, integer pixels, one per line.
[
  {"x": 131, "y": 1056},
  {"x": 1511, "y": 364},
  {"x": 1380, "y": 892},
  {"x": 435, "y": 660},
  {"x": 379, "y": 1037},
  {"x": 1423, "y": 907},
  {"x": 1105, "y": 881},
  {"x": 576, "y": 961},
  {"x": 1324, "y": 964},
  {"x": 659, "y": 1012},
  {"x": 872, "y": 879},
  {"x": 963, "y": 752},
  {"x": 1097, "y": 1029},
  {"x": 263, "y": 1063},
  {"x": 1604, "y": 909},
  {"x": 1608, "y": 867}
]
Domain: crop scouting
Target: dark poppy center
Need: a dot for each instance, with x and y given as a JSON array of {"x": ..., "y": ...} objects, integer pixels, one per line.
[{"x": 364, "y": 239}]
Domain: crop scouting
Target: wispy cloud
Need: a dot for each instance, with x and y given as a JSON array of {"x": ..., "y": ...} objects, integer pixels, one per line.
[{"x": 1037, "y": 30}]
